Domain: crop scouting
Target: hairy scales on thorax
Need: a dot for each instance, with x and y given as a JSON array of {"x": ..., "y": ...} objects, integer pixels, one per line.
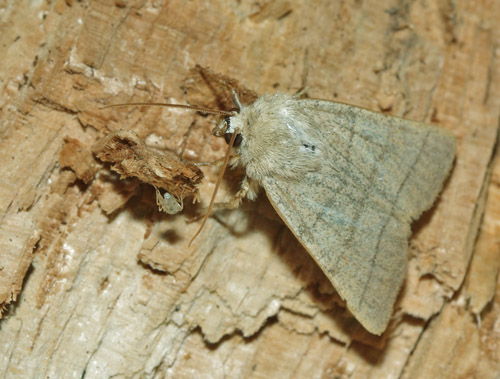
[{"x": 277, "y": 139}]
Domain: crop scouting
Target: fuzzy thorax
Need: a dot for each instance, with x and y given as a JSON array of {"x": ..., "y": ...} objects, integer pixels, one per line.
[{"x": 277, "y": 139}]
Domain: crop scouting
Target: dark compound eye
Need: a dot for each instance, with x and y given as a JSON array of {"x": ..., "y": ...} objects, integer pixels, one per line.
[{"x": 237, "y": 140}]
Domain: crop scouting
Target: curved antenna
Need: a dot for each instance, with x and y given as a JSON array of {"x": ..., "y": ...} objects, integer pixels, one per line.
[
  {"x": 192, "y": 107},
  {"x": 217, "y": 185}
]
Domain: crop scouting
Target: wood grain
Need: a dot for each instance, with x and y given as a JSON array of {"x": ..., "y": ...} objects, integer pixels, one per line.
[{"x": 87, "y": 293}]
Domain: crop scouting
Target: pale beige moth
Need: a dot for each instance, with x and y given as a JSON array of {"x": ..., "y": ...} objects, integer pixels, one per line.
[{"x": 347, "y": 182}]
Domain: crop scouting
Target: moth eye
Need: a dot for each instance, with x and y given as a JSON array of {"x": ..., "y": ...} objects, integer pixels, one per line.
[{"x": 237, "y": 140}]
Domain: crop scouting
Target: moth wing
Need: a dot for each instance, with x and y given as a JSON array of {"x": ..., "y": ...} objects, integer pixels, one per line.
[
  {"x": 353, "y": 214},
  {"x": 361, "y": 251}
]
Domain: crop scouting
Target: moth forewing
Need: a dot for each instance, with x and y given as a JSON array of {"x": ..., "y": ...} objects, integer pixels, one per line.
[{"x": 347, "y": 182}]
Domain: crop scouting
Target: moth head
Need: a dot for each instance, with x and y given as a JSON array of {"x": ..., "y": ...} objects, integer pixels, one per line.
[
  {"x": 227, "y": 128},
  {"x": 228, "y": 134}
]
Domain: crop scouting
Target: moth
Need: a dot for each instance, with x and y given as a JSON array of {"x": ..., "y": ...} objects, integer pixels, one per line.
[{"x": 347, "y": 182}]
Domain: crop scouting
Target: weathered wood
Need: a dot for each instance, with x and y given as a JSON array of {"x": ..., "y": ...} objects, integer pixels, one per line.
[{"x": 95, "y": 282}]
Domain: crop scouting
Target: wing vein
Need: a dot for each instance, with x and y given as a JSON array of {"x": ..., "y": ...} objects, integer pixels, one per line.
[{"x": 386, "y": 222}]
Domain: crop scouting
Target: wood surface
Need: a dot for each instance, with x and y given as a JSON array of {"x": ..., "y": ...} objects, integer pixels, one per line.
[{"x": 95, "y": 282}]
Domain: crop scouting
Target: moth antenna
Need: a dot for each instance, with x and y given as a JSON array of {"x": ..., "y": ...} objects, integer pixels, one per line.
[
  {"x": 217, "y": 185},
  {"x": 193, "y": 107}
]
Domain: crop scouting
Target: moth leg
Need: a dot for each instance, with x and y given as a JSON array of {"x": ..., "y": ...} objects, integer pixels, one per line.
[
  {"x": 236, "y": 200},
  {"x": 232, "y": 204},
  {"x": 249, "y": 188}
]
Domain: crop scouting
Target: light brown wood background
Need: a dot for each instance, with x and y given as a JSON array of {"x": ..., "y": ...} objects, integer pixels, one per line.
[{"x": 94, "y": 282}]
